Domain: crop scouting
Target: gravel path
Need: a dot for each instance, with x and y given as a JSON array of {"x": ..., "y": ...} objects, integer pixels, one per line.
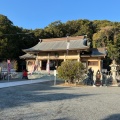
[{"x": 43, "y": 101}]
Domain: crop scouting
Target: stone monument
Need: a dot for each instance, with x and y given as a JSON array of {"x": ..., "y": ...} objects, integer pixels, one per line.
[{"x": 113, "y": 71}]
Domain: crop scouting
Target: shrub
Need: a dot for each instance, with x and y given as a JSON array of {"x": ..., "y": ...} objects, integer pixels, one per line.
[{"x": 71, "y": 71}]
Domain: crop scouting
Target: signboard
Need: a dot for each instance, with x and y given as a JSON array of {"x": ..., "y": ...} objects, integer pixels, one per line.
[{"x": 8, "y": 66}]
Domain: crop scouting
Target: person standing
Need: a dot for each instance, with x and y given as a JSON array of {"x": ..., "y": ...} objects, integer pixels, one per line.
[{"x": 25, "y": 74}]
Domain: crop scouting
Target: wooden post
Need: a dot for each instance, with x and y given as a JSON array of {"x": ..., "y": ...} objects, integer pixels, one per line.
[
  {"x": 40, "y": 64},
  {"x": 78, "y": 52},
  {"x": 64, "y": 56}
]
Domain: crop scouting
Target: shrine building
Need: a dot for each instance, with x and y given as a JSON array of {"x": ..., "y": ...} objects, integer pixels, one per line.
[{"x": 56, "y": 50}]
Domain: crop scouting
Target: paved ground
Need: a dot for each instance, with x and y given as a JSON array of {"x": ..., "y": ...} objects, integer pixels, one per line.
[
  {"x": 4, "y": 84},
  {"x": 44, "y": 101},
  {"x": 18, "y": 81}
]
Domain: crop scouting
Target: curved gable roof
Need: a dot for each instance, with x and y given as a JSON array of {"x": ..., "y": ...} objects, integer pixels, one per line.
[
  {"x": 57, "y": 44},
  {"x": 27, "y": 55}
]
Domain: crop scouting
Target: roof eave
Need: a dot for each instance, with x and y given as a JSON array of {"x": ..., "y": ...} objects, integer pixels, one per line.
[
  {"x": 93, "y": 55},
  {"x": 28, "y": 50}
]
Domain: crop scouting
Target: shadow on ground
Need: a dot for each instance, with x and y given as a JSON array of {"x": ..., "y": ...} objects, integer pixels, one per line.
[
  {"x": 112, "y": 117},
  {"x": 40, "y": 92}
]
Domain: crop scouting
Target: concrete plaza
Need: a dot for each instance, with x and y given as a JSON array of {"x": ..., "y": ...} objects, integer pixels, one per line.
[{"x": 46, "y": 101}]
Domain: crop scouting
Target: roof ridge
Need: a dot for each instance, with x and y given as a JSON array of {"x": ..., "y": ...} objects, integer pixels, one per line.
[{"x": 63, "y": 38}]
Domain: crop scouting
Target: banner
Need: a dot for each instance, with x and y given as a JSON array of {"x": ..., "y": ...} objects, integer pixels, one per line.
[
  {"x": 48, "y": 67},
  {"x": 8, "y": 66}
]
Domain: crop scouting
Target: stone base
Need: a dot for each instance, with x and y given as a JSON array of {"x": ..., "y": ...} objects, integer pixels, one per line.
[
  {"x": 115, "y": 85},
  {"x": 94, "y": 85}
]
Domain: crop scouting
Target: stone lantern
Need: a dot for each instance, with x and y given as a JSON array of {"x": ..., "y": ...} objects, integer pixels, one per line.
[{"x": 113, "y": 71}]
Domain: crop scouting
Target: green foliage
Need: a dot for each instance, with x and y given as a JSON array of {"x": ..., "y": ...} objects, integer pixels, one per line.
[
  {"x": 101, "y": 38},
  {"x": 102, "y": 33},
  {"x": 112, "y": 51},
  {"x": 98, "y": 24},
  {"x": 55, "y": 29},
  {"x": 71, "y": 70},
  {"x": 79, "y": 27},
  {"x": 15, "y": 65},
  {"x": 117, "y": 43}
]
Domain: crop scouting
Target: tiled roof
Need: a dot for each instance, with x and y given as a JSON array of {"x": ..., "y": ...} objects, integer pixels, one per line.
[
  {"x": 98, "y": 52},
  {"x": 27, "y": 55},
  {"x": 63, "y": 38},
  {"x": 95, "y": 52},
  {"x": 57, "y": 44}
]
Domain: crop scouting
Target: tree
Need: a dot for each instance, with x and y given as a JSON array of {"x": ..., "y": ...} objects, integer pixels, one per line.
[
  {"x": 104, "y": 35},
  {"x": 112, "y": 51},
  {"x": 98, "y": 39},
  {"x": 117, "y": 43},
  {"x": 13, "y": 39},
  {"x": 98, "y": 24},
  {"x": 5, "y": 26},
  {"x": 71, "y": 70},
  {"x": 55, "y": 29}
]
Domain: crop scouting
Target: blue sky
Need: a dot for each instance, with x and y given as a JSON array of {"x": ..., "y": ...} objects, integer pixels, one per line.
[{"x": 32, "y": 14}]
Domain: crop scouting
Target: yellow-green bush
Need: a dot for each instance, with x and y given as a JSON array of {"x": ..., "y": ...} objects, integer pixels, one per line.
[{"x": 71, "y": 71}]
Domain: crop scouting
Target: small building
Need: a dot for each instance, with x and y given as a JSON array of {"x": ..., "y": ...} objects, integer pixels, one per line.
[{"x": 56, "y": 50}]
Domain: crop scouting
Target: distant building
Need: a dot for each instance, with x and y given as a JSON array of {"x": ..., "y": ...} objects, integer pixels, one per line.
[{"x": 56, "y": 50}]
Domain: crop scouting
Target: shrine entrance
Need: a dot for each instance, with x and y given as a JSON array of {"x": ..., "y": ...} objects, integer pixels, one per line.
[{"x": 53, "y": 64}]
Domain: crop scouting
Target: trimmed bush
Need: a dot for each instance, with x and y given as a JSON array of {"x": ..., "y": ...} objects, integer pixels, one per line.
[{"x": 71, "y": 71}]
